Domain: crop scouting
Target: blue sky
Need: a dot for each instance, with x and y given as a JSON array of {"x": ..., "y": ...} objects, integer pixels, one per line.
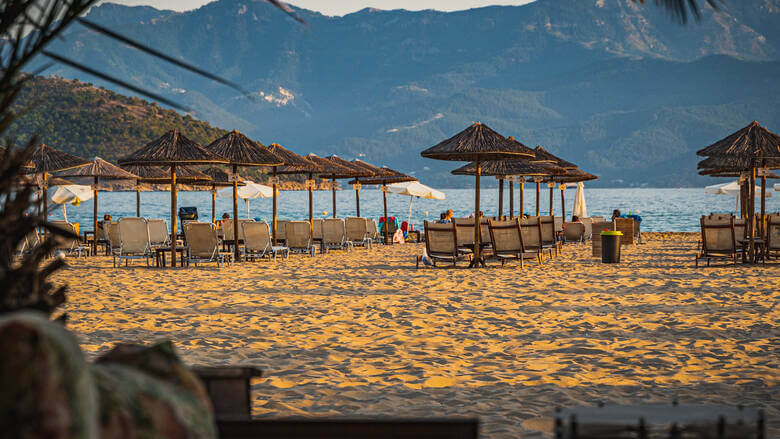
[{"x": 341, "y": 7}]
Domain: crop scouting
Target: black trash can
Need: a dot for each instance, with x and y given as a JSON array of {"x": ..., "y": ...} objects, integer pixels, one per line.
[{"x": 610, "y": 247}]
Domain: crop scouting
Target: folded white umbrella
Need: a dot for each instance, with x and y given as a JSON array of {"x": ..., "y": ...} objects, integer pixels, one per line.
[
  {"x": 70, "y": 193},
  {"x": 731, "y": 188},
  {"x": 777, "y": 186},
  {"x": 250, "y": 191},
  {"x": 415, "y": 189},
  {"x": 580, "y": 208}
]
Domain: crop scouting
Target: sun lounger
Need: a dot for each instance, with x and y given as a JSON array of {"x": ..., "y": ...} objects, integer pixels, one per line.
[
  {"x": 358, "y": 232},
  {"x": 70, "y": 246},
  {"x": 773, "y": 235},
  {"x": 257, "y": 241},
  {"x": 298, "y": 235},
  {"x": 30, "y": 241},
  {"x": 334, "y": 234},
  {"x": 558, "y": 220},
  {"x": 574, "y": 232},
  {"x": 465, "y": 232},
  {"x": 740, "y": 228},
  {"x": 548, "y": 233},
  {"x": 158, "y": 233},
  {"x": 588, "y": 223},
  {"x": 281, "y": 231},
  {"x": 718, "y": 240},
  {"x": 372, "y": 231},
  {"x": 317, "y": 223},
  {"x": 203, "y": 245},
  {"x": 598, "y": 227},
  {"x": 626, "y": 227},
  {"x": 134, "y": 241},
  {"x": 531, "y": 231},
  {"x": 507, "y": 241},
  {"x": 441, "y": 243}
]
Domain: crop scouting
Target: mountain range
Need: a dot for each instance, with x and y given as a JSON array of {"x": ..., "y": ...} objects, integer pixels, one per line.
[{"x": 619, "y": 88}]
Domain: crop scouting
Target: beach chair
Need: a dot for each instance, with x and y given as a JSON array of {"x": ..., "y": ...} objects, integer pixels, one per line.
[
  {"x": 112, "y": 229},
  {"x": 227, "y": 229},
  {"x": 317, "y": 226},
  {"x": 574, "y": 232},
  {"x": 357, "y": 232},
  {"x": 598, "y": 219},
  {"x": 531, "y": 231},
  {"x": 507, "y": 241},
  {"x": 281, "y": 231},
  {"x": 441, "y": 244},
  {"x": 465, "y": 231},
  {"x": 773, "y": 235},
  {"x": 70, "y": 246},
  {"x": 203, "y": 245},
  {"x": 588, "y": 223},
  {"x": 740, "y": 227},
  {"x": 558, "y": 221},
  {"x": 372, "y": 231},
  {"x": 30, "y": 241},
  {"x": 257, "y": 241},
  {"x": 334, "y": 234},
  {"x": 158, "y": 233},
  {"x": 485, "y": 240},
  {"x": 626, "y": 227},
  {"x": 717, "y": 240},
  {"x": 134, "y": 241},
  {"x": 298, "y": 235},
  {"x": 547, "y": 224}
]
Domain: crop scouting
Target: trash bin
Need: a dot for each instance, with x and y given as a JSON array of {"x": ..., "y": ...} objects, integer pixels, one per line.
[{"x": 610, "y": 247}]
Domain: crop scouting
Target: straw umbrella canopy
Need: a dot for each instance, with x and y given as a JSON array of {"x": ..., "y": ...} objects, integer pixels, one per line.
[
  {"x": 550, "y": 160},
  {"x": 98, "y": 169},
  {"x": 239, "y": 150},
  {"x": 477, "y": 143},
  {"x": 331, "y": 170},
  {"x": 292, "y": 164},
  {"x": 503, "y": 169},
  {"x": 376, "y": 172},
  {"x": 387, "y": 176},
  {"x": 357, "y": 171},
  {"x": 219, "y": 178},
  {"x": 46, "y": 160},
  {"x": 750, "y": 148},
  {"x": 172, "y": 149}
]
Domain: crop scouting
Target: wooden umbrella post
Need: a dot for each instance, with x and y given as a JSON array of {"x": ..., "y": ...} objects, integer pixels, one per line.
[
  {"x": 551, "y": 202},
  {"x": 273, "y": 222},
  {"x": 213, "y": 204},
  {"x": 45, "y": 190},
  {"x": 333, "y": 189},
  {"x": 386, "y": 226},
  {"x": 138, "y": 199},
  {"x": 500, "y": 198},
  {"x": 752, "y": 215},
  {"x": 94, "y": 215},
  {"x": 235, "y": 212},
  {"x": 357, "y": 197},
  {"x": 763, "y": 207},
  {"x": 477, "y": 219},
  {"x": 310, "y": 184},
  {"x": 173, "y": 214},
  {"x": 538, "y": 192},
  {"x": 511, "y": 198},
  {"x": 521, "y": 209},
  {"x": 563, "y": 202}
]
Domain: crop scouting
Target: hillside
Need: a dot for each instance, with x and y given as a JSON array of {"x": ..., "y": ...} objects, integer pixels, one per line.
[
  {"x": 618, "y": 88},
  {"x": 81, "y": 119}
]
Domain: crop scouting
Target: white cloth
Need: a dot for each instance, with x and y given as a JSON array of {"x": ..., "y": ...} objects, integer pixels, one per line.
[
  {"x": 731, "y": 188},
  {"x": 580, "y": 208}
]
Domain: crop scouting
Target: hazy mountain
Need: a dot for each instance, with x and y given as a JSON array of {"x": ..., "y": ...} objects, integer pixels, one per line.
[{"x": 618, "y": 88}]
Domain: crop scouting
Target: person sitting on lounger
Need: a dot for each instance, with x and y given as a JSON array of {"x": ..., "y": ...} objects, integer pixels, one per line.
[
  {"x": 615, "y": 214},
  {"x": 446, "y": 217}
]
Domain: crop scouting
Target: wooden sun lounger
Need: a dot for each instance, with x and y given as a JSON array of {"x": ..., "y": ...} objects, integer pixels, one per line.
[{"x": 349, "y": 429}]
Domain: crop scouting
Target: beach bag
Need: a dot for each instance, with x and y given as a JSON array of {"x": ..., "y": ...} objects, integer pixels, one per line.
[{"x": 398, "y": 237}]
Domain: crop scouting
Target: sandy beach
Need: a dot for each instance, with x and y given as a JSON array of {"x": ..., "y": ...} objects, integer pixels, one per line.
[{"x": 365, "y": 333}]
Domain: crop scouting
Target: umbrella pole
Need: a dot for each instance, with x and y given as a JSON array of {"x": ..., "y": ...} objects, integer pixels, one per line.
[
  {"x": 310, "y": 184},
  {"x": 752, "y": 214},
  {"x": 511, "y": 199},
  {"x": 538, "y": 192},
  {"x": 386, "y": 226},
  {"x": 521, "y": 209},
  {"x": 500, "y": 199},
  {"x": 94, "y": 216},
  {"x": 65, "y": 211},
  {"x": 173, "y": 214},
  {"x": 247, "y": 208},
  {"x": 409, "y": 221},
  {"x": 235, "y": 212},
  {"x": 45, "y": 204},
  {"x": 763, "y": 206},
  {"x": 563, "y": 205},
  {"x": 551, "y": 203},
  {"x": 477, "y": 219},
  {"x": 213, "y": 204},
  {"x": 138, "y": 199},
  {"x": 333, "y": 189},
  {"x": 273, "y": 223},
  {"x": 357, "y": 198}
]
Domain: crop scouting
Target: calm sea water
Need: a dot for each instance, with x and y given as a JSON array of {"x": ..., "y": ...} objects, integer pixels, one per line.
[{"x": 661, "y": 209}]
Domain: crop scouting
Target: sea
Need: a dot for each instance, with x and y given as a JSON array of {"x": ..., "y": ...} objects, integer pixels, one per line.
[{"x": 670, "y": 210}]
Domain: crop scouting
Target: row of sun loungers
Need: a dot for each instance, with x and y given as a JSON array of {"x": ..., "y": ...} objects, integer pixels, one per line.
[{"x": 725, "y": 237}]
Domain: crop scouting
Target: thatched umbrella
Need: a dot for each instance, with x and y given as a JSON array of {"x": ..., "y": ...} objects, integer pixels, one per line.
[
  {"x": 476, "y": 143},
  {"x": 46, "y": 160},
  {"x": 331, "y": 170},
  {"x": 293, "y": 164},
  {"x": 505, "y": 169},
  {"x": 546, "y": 158},
  {"x": 219, "y": 178},
  {"x": 387, "y": 176},
  {"x": 155, "y": 175},
  {"x": 376, "y": 172},
  {"x": 355, "y": 171},
  {"x": 750, "y": 148},
  {"x": 98, "y": 169},
  {"x": 172, "y": 149},
  {"x": 239, "y": 150}
]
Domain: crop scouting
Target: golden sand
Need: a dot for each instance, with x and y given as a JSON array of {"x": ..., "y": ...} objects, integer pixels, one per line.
[{"x": 365, "y": 333}]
